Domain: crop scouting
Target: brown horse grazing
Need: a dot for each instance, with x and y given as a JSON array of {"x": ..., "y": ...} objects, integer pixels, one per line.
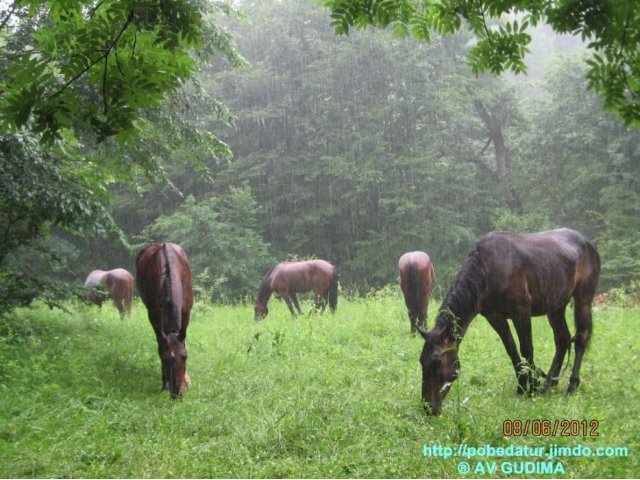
[
  {"x": 119, "y": 284},
  {"x": 515, "y": 276},
  {"x": 164, "y": 281},
  {"x": 417, "y": 277},
  {"x": 289, "y": 278}
]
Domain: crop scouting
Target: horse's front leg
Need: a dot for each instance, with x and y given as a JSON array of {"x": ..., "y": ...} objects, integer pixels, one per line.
[
  {"x": 294, "y": 297},
  {"x": 289, "y": 303},
  {"x": 501, "y": 326},
  {"x": 528, "y": 371},
  {"x": 164, "y": 368}
]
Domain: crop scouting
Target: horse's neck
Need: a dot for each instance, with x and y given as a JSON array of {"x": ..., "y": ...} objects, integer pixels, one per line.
[
  {"x": 265, "y": 293},
  {"x": 455, "y": 317}
]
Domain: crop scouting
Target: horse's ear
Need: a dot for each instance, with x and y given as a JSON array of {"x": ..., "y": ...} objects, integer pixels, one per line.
[{"x": 423, "y": 332}]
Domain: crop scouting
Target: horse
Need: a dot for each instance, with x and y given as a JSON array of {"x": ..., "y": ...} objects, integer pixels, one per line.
[
  {"x": 417, "y": 277},
  {"x": 164, "y": 281},
  {"x": 118, "y": 282},
  {"x": 507, "y": 275},
  {"x": 289, "y": 278}
]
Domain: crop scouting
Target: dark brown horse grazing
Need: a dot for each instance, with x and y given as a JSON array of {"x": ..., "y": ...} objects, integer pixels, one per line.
[
  {"x": 417, "y": 277},
  {"x": 119, "y": 284},
  {"x": 164, "y": 281},
  {"x": 515, "y": 276},
  {"x": 289, "y": 278}
]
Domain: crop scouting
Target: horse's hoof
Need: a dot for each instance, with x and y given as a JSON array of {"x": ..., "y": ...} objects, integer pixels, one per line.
[
  {"x": 571, "y": 390},
  {"x": 534, "y": 387}
]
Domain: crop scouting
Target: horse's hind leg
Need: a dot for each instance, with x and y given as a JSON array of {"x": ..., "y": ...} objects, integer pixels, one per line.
[
  {"x": 501, "y": 327},
  {"x": 422, "y": 319},
  {"x": 562, "y": 339},
  {"x": 582, "y": 337},
  {"x": 523, "y": 329},
  {"x": 120, "y": 306},
  {"x": 321, "y": 300},
  {"x": 413, "y": 322}
]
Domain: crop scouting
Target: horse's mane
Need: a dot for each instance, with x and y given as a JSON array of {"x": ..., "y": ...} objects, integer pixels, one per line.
[
  {"x": 264, "y": 290},
  {"x": 462, "y": 301}
]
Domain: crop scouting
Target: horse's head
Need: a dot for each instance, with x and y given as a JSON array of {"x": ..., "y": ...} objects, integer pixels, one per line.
[
  {"x": 261, "y": 311},
  {"x": 96, "y": 296},
  {"x": 439, "y": 361},
  {"x": 174, "y": 355}
]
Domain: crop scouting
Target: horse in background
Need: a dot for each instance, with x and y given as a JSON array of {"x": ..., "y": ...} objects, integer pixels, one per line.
[
  {"x": 119, "y": 285},
  {"x": 514, "y": 276},
  {"x": 164, "y": 281},
  {"x": 287, "y": 279},
  {"x": 417, "y": 277}
]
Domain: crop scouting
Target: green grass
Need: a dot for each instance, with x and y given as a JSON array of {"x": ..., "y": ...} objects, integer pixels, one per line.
[{"x": 318, "y": 396}]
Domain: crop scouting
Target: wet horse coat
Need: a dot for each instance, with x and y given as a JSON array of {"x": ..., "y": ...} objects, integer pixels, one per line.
[
  {"x": 417, "y": 277},
  {"x": 119, "y": 284},
  {"x": 164, "y": 281},
  {"x": 287, "y": 279},
  {"x": 515, "y": 276}
]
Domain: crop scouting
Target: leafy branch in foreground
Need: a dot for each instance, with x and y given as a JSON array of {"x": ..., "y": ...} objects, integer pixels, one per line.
[
  {"x": 611, "y": 30},
  {"x": 85, "y": 89}
]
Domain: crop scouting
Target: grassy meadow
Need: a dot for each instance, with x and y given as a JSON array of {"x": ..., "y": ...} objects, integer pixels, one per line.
[{"x": 317, "y": 396}]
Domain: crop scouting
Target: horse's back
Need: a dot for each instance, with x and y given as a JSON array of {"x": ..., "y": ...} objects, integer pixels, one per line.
[
  {"x": 120, "y": 274},
  {"x": 151, "y": 272},
  {"x": 542, "y": 268},
  {"x": 416, "y": 264},
  {"x": 119, "y": 280},
  {"x": 94, "y": 278},
  {"x": 303, "y": 275},
  {"x": 418, "y": 259}
]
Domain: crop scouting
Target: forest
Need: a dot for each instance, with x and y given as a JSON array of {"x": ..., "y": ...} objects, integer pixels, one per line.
[
  {"x": 256, "y": 131},
  {"x": 282, "y": 140}
]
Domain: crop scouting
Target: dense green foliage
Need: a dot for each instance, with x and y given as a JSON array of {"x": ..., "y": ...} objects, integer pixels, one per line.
[
  {"x": 94, "y": 64},
  {"x": 350, "y": 149},
  {"x": 320, "y": 396},
  {"x": 227, "y": 255},
  {"x": 611, "y": 28},
  {"x": 385, "y": 145},
  {"x": 75, "y": 75}
]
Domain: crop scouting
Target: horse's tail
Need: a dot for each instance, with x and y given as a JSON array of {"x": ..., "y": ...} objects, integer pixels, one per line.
[
  {"x": 588, "y": 287},
  {"x": 333, "y": 293},
  {"x": 172, "y": 291},
  {"x": 415, "y": 287}
]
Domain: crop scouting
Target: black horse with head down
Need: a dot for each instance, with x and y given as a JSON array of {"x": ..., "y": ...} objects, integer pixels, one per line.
[{"x": 515, "y": 276}]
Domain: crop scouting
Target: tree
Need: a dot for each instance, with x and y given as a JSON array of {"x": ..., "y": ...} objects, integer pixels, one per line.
[
  {"x": 82, "y": 89},
  {"x": 611, "y": 28},
  {"x": 579, "y": 166},
  {"x": 227, "y": 256},
  {"x": 361, "y": 149}
]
